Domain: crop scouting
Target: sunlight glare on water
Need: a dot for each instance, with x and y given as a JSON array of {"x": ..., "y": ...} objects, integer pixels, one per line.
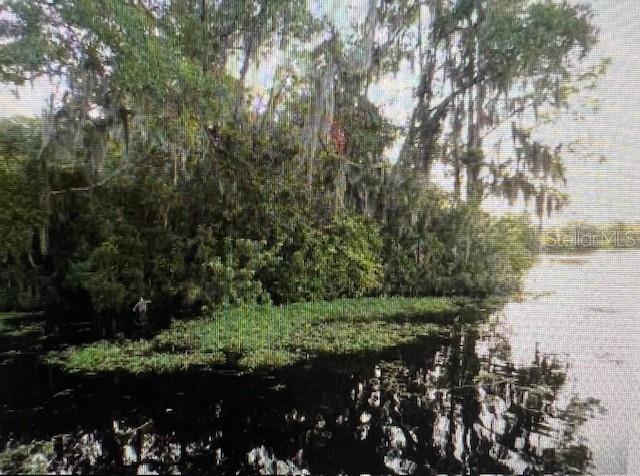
[{"x": 584, "y": 309}]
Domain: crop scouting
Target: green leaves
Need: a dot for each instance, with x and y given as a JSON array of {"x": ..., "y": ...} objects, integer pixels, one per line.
[
  {"x": 22, "y": 185},
  {"x": 227, "y": 275},
  {"x": 339, "y": 260},
  {"x": 435, "y": 249},
  {"x": 160, "y": 181},
  {"x": 519, "y": 41}
]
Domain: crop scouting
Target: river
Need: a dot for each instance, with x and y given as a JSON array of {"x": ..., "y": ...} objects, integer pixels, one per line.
[
  {"x": 547, "y": 385},
  {"x": 585, "y": 310}
]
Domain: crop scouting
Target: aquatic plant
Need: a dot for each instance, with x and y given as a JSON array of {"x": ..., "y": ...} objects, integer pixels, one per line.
[{"x": 252, "y": 337}]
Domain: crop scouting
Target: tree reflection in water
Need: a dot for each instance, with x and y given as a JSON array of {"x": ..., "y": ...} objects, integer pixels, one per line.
[{"x": 454, "y": 404}]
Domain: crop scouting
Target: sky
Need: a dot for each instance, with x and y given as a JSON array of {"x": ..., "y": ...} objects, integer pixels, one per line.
[
  {"x": 599, "y": 191},
  {"x": 610, "y": 191}
]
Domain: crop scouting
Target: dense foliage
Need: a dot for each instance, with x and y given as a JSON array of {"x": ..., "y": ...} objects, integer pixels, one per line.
[
  {"x": 160, "y": 175},
  {"x": 436, "y": 249}
]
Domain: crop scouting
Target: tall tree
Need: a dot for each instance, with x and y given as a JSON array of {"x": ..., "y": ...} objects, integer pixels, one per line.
[{"x": 485, "y": 63}]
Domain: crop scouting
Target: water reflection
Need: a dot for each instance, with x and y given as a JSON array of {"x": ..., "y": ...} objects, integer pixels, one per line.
[{"x": 453, "y": 404}]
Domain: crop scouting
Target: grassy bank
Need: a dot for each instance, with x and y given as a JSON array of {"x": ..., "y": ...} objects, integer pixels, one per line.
[{"x": 248, "y": 338}]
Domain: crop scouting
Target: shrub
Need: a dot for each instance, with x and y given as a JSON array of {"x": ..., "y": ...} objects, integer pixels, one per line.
[
  {"x": 463, "y": 250},
  {"x": 338, "y": 260},
  {"x": 230, "y": 277}
]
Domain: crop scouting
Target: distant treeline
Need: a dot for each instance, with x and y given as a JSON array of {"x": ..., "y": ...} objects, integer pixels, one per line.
[{"x": 586, "y": 236}]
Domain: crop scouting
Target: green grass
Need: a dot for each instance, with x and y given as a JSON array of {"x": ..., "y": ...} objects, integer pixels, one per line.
[{"x": 254, "y": 337}]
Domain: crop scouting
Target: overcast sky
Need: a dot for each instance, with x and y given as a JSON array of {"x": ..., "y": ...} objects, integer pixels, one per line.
[
  {"x": 610, "y": 191},
  {"x": 600, "y": 192}
]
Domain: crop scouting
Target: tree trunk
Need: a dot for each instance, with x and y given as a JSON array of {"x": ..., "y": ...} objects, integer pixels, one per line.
[
  {"x": 248, "y": 53},
  {"x": 475, "y": 117}
]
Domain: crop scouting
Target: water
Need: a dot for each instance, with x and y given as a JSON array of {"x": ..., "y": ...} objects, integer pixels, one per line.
[
  {"x": 587, "y": 313},
  {"x": 546, "y": 385}
]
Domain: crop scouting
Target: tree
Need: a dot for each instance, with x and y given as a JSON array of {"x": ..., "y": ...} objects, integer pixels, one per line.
[
  {"x": 485, "y": 63},
  {"x": 157, "y": 174},
  {"x": 24, "y": 215}
]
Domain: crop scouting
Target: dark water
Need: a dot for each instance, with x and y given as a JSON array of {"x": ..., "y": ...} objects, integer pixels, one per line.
[{"x": 484, "y": 399}]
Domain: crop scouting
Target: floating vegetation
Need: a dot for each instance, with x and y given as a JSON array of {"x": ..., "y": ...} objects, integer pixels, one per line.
[{"x": 251, "y": 337}]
